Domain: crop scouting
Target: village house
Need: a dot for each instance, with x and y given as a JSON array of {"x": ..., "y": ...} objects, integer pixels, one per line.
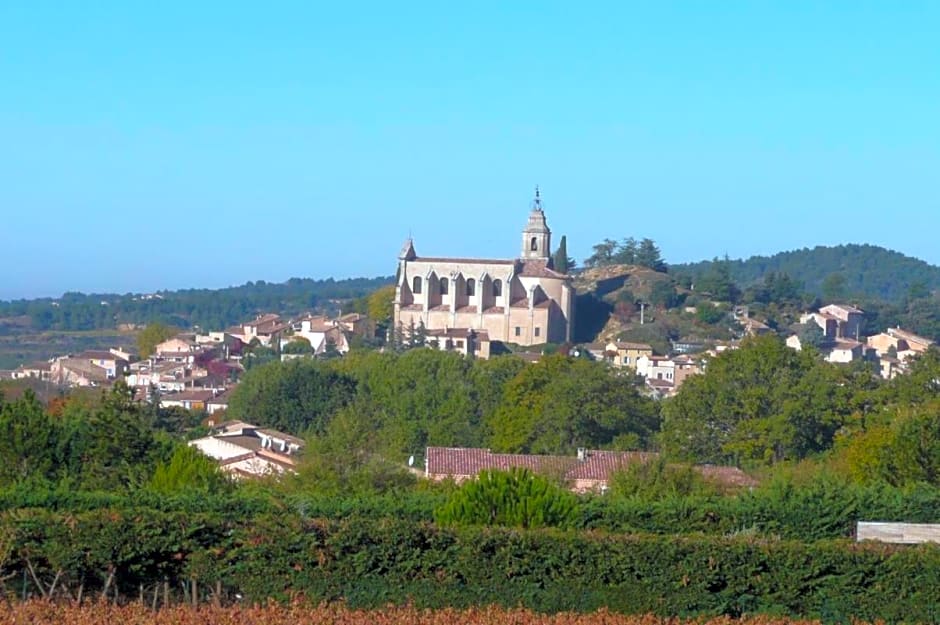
[
  {"x": 901, "y": 342},
  {"x": 175, "y": 346},
  {"x": 322, "y": 333},
  {"x": 219, "y": 403},
  {"x": 622, "y": 354},
  {"x": 589, "y": 471},
  {"x": 837, "y": 321},
  {"x": 355, "y": 323},
  {"x": 265, "y": 328},
  {"x": 41, "y": 370},
  {"x": 522, "y": 301},
  {"x": 189, "y": 399},
  {"x": 244, "y": 450},
  {"x": 114, "y": 365},
  {"x": 78, "y": 372},
  {"x": 894, "y": 348},
  {"x": 475, "y": 343}
]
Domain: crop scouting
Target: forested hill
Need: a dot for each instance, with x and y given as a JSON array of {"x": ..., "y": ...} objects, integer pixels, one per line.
[
  {"x": 207, "y": 308},
  {"x": 842, "y": 270}
]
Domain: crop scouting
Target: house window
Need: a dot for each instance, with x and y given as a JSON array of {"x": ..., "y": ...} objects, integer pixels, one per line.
[
  {"x": 416, "y": 285},
  {"x": 518, "y": 331},
  {"x": 534, "y": 244},
  {"x": 626, "y": 360},
  {"x": 471, "y": 287},
  {"x": 537, "y": 330},
  {"x": 459, "y": 344},
  {"x": 444, "y": 286},
  {"x": 497, "y": 288}
]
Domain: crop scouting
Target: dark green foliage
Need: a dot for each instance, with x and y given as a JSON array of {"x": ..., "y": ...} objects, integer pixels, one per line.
[
  {"x": 657, "y": 480},
  {"x": 103, "y": 446},
  {"x": 866, "y": 270},
  {"x": 298, "y": 345},
  {"x": 811, "y": 335},
  {"x": 291, "y": 396},
  {"x": 718, "y": 282},
  {"x": 709, "y": 314},
  {"x": 370, "y": 563},
  {"x": 561, "y": 261},
  {"x": 644, "y": 253},
  {"x": 762, "y": 403},
  {"x": 559, "y": 404},
  {"x": 188, "y": 470},
  {"x": 513, "y": 498},
  {"x": 206, "y": 308}
]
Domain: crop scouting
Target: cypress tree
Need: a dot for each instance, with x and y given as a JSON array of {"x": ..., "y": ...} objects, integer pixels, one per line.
[{"x": 561, "y": 256}]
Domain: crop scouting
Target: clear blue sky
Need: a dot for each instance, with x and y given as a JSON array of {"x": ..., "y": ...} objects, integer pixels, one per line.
[{"x": 187, "y": 144}]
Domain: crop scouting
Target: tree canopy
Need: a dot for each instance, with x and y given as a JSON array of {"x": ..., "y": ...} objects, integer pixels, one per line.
[
  {"x": 560, "y": 403},
  {"x": 292, "y": 396},
  {"x": 761, "y": 403}
]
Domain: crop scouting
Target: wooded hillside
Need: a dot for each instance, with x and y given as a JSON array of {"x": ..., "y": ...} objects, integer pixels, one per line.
[{"x": 839, "y": 271}]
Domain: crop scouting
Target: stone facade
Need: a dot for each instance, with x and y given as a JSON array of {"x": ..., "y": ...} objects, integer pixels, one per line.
[{"x": 522, "y": 300}]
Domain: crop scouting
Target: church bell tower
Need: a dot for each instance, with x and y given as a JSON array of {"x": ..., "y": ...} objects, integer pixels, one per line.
[{"x": 536, "y": 238}]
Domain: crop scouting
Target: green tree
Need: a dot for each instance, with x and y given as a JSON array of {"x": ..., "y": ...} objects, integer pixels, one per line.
[
  {"x": 762, "y": 403},
  {"x": 188, "y": 471},
  {"x": 626, "y": 253},
  {"x": 655, "y": 480},
  {"x": 381, "y": 305},
  {"x": 663, "y": 294},
  {"x": 292, "y": 396},
  {"x": 648, "y": 255},
  {"x": 353, "y": 456},
  {"x": 833, "y": 287},
  {"x": 28, "y": 441},
  {"x": 514, "y": 498},
  {"x": 151, "y": 336},
  {"x": 561, "y": 261},
  {"x": 717, "y": 281},
  {"x": 298, "y": 345},
  {"x": 810, "y": 334},
  {"x": 603, "y": 254},
  {"x": 559, "y": 404}
]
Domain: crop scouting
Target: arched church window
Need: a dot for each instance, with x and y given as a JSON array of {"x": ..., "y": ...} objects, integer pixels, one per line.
[
  {"x": 534, "y": 245},
  {"x": 471, "y": 287},
  {"x": 444, "y": 286},
  {"x": 497, "y": 288},
  {"x": 416, "y": 285}
]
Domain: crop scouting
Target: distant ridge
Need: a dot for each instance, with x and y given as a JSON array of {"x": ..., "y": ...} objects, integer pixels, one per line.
[{"x": 868, "y": 270}]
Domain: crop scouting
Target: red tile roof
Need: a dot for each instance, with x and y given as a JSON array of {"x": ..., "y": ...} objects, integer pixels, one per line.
[{"x": 596, "y": 465}]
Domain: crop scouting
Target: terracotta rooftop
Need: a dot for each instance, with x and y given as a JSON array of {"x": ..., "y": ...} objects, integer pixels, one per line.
[
  {"x": 595, "y": 465},
  {"x": 908, "y": 336},
  {"x": 191, "y": 395},
  {"x": 539, "y": 269}
]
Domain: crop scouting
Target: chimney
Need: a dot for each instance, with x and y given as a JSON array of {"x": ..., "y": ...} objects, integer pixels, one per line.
[{"x": 582, "y": 454}]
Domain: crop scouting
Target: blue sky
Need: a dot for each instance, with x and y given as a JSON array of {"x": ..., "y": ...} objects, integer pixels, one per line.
[{"x": 162, "y": 145}]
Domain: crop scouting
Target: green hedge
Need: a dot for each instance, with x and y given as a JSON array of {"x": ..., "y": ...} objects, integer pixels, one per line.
[
  {"x": 373, "y": 562},
  {"x": 827, "y": 509}
]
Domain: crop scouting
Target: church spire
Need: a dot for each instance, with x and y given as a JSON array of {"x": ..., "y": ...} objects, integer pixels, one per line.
[{"x": 536, "y": 237}]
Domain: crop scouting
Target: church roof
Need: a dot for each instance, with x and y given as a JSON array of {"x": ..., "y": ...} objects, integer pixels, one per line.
[
  {"x": 469, "y": 261},
  {"x": 408, "y": 250},
  {"x": 538, "y": 268}
]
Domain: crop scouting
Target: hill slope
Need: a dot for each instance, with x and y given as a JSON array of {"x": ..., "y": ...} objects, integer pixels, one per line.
[{"x": 866, "y": 270}]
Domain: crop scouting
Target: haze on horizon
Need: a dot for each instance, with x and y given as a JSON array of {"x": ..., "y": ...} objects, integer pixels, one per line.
[{"x": 146, "y": 148}]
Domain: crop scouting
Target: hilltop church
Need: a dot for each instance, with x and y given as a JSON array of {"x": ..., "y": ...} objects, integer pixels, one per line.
[{"x": 522, "y": 300}]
